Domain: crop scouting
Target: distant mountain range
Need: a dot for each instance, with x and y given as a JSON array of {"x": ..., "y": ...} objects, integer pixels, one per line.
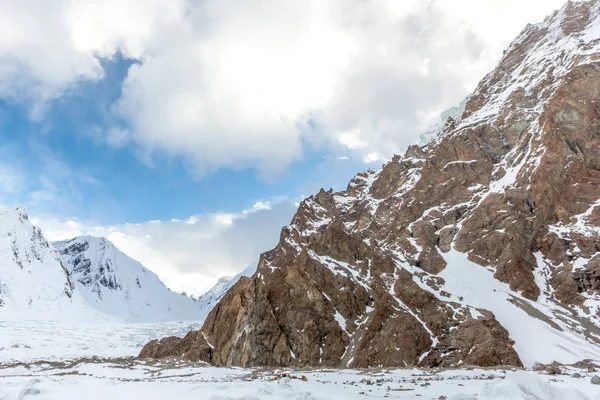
[
  {"x": 84, "y": 279},
  {"x": 34, "y": 284}
]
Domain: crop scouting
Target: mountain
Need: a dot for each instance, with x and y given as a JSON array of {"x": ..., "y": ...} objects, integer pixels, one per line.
[
  {"x": 209, "y": 299},
  {"x": 450, "y": 114},
  {"x": 85, "y": 279},
  {"x": 121, "y": 287},
  {"x": 480, "y": 247},
  {"x": 34, "y": 284}
]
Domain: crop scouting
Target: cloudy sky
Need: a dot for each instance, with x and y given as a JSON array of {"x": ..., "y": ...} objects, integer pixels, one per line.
[{"x": 186, "y": 130}]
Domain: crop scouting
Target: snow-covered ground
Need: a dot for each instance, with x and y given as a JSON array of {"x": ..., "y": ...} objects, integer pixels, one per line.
[
  {"x": 138, "y": 380},
  {"x": 30, "y": 341},
  {"x": 51, "y": 360}
]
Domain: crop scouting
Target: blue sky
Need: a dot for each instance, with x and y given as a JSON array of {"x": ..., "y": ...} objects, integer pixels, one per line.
[
  {"x": 186, "y": 131},
  {"x": 112, "y": 185}
]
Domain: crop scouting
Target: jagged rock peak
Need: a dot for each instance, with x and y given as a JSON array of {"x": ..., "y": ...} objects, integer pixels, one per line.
[{"x": 481, "y": 247}]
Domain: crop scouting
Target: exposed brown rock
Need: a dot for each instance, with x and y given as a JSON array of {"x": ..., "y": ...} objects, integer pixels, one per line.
[
  {"x": 243, "y": 330},
  {"x": 392, "y": 338},
  {"x": 160, "y": 348},
  {"x": 588, "y": 280},
  {"x": 192, "y": 347},
  {"x": 483, "y": 342}
]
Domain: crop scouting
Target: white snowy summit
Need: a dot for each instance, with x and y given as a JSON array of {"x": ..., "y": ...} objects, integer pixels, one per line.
[
  {"x": 120, "y": 286},
  {"x": 34, "y": 284}
]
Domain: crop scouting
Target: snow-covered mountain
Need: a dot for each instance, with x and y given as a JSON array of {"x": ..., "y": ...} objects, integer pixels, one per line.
[
  {"x": 119, "y": 286},
  {"x": 448, "y": 116},
  {"x": 209, "y": 299},
  {"x": 86, "y": 279},
  {"x": 34, "y": 284}
]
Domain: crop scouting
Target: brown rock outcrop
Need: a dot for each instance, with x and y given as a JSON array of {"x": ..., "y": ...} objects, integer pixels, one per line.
[
  {"x": 192, "y": 347},
  {"x": 482, "y": 342}
]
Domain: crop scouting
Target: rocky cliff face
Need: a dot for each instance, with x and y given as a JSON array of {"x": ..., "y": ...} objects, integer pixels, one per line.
[{"x": 481, "y": 247}]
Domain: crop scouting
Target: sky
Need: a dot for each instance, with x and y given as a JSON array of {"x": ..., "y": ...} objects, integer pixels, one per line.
[{"x": 186, "y": 131}]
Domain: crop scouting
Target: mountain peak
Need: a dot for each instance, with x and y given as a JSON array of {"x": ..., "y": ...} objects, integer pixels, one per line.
[
  {"x": 33, "y": 282},
  {"x": 118, "y": 285},
  {"x": 85, "y": 278},
  {"x": 532, "y": 68},
  {"x": 17, "y": 212},
  {"x": 223, "y": 280}
]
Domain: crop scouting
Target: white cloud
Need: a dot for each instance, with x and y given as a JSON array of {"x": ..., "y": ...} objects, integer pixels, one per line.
[
  {"x": 230, "y": 84},
  {"x": 352, "y": 140},
  {"x": 372, "y": 158},
  {"x": 47, "y": 47},
  {"x": 258, "y": 206},
  {"x": 189, "y": 255}
]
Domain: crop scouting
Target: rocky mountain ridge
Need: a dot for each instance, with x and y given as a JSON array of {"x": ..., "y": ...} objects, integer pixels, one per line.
[
  {"x": 86, "y": 279},
  {"x": 481, "y": 247},
  {"x": 33, "y": 282},
  {"x": 121, "y": 287}
]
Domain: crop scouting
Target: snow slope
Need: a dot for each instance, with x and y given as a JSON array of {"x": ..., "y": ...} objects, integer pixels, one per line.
[
  {"x": 538, "y": 334},
  {"x": 119, "y": 286},
  {"x": 33, "y": 282}
]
